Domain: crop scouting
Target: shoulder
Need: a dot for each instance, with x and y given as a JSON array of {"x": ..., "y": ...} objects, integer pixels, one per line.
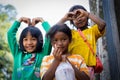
[
  {"x": 48, "y": 58},
  {"x": 93, "y": 27},
  {"x": 75, "y": 33},
  {"x": 76, "y": 57}
]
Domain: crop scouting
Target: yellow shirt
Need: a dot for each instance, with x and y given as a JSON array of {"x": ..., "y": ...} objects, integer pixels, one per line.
[{"x": 78, "y": 46}]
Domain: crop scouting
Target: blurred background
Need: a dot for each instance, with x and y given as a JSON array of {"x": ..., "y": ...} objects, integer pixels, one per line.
[{"x": 108, "y": 46}]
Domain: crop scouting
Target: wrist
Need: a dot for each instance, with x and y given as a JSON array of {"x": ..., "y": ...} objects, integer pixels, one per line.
[
  {"x": 57, "y": 61},
  {"x": 63, "y": 20},
  {"x": 20, "y": 20},
  {"x": 88, "y": 14}
]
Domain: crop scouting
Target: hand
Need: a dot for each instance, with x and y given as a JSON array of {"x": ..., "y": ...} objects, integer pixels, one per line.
[
  {"x": 81, "y": 13},
  {"x": 57, "y": 53},
  {"x": 25, "y": 20},
  {"x": 64, "y": 58},
  {"x": 77, "y": 14},
  {"x": 37, "y": 20},
  {"x": 70, "y": 15}
]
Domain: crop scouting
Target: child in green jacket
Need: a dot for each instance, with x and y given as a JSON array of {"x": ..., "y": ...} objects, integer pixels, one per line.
[{"x": 29, "y": 52}]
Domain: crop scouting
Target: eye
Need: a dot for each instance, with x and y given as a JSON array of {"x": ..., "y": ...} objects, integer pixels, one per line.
[
  {"x": 25, "y": 39},
  {"x": 64, "y": 39},
  {"x": 34, "y": 39},
  {"x": 54, "y": 40}
]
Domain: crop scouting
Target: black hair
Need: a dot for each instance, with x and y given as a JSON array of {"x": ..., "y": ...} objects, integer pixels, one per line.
[
  {"x": 35, "y": 32},
  {"x": 59, "y": 28},
  {"x": 75, "y": 7}
]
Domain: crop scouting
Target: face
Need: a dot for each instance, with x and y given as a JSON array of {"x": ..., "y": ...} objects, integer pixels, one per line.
[
  {"x": 80, "y": 21},
  {"x": 29, "y": 43},
  {"x": 61, "y": 41}
]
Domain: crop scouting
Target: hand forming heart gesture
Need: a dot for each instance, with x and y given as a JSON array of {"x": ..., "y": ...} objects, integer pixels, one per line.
[{"x": 29, "y": 22}]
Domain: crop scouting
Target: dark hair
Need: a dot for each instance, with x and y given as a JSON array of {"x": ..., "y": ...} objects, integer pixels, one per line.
[
  {"x": 35, "y": 32},
  {"x": 59, "y": 28},
  {"x": 75, "y": 7}
]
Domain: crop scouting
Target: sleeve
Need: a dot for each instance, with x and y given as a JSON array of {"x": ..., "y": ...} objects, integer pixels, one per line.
[
  {"x": 47, "y": 45},
  {"x": 83, "y": 67},
  {"x": 46, "y": 26},
  {"x": 11, "y": 37},
  {"x": 44, "y": 66},
  {"x": 97, "y": 32}
]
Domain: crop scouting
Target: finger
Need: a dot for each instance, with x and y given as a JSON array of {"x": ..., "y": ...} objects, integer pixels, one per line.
[
  {"x": 55, "y": 51},
  {"x": 29, "y": 22},
  {"x": 71, "y": 15},
  {"x": 33, "y": 22},
  {"x": 41, "y": 19},
  {"x": 59, "y": 52}
]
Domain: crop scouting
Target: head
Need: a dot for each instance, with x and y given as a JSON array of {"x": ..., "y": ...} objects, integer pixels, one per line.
[
  {"x": 60, "y": 36},
  {"x": 84, "y": 21},
  {"x": 31, "y": 40}
]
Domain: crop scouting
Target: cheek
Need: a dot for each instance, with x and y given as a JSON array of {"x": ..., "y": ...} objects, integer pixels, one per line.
[
  {"x": 24, "y": 43},
  {"x": 35, "y": 43}
]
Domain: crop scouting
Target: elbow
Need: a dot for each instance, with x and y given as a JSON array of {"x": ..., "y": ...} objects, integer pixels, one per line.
[
  {"x": 102, "y": 26},
  {"x": 9, "y": 33}
]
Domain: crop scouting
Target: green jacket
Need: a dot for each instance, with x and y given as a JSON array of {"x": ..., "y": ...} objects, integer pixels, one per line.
[{"x": 29, "y": 72}]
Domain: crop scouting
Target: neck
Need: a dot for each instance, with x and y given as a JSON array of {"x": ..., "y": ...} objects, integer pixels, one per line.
[
  {"x": 83, "y": 28},
  {"x": 67, "y": 54}
]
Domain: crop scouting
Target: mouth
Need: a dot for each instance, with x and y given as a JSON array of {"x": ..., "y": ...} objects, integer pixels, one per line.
[{"x": 30, "y": 48}]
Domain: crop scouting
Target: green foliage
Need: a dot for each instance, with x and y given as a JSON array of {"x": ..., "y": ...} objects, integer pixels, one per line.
[
  {"x": 6, "y": 64},
  {"x": 7, "y": 16}
]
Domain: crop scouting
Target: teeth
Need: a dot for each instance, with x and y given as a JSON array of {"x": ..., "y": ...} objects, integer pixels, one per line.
[{"x": 29, "y": 47}]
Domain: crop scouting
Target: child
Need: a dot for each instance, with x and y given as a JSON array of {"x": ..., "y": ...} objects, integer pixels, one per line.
[
  {"x": 78, "y": 17},
  {"x": 30, "y": 51},
  {"x": 62, "y": 65}
]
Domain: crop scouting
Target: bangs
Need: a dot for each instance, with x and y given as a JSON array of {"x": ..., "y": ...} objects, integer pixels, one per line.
[{"x": 35, "y": 32}]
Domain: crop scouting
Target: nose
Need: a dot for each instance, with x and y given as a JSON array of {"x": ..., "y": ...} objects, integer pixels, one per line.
[
  {"x": 59, "y": 43},
  {"x": 29, "y": 42}
]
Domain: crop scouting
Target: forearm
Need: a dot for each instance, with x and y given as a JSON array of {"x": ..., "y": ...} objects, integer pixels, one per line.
[
  {"x": 14, "y": 27},
  {"x": 11, "y": 36},
  {"x": 80, "y": 75},
  {"x": 101, "y": 23},
  {"x": 50, "y": 74},
  {"x": 62, "y": 20},
  {"x": 46, "y": 26}
]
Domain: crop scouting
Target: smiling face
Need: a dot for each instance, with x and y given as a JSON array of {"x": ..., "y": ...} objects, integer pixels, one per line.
[
  {"x": 61, "y": 41},
  {"x": 29, "y": 43}
]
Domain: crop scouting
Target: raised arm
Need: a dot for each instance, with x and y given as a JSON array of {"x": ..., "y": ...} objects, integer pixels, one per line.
[
  {"x": 11, "y": 34},
  {"x": 101, "y": 23},
  {"x": 45, "y": 24},
  {"x": 47, "y": 46},
  {"x": 66, "y": 17}
]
